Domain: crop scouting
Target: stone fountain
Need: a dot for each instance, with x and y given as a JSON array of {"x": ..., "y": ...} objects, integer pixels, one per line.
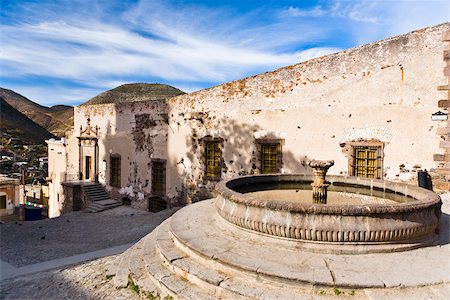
[
  {"x": 294, "y": 236},
  {"x": 362, "y": 216}
]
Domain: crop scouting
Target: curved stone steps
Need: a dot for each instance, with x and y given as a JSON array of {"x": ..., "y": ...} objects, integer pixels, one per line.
[
  {"x": 218, "y": 279},
  {"x": 211, "y": 237},
  {"x": 180, "y": 263},
  {"x": 167, "y": 281},
  {"x": 193, "y": 257},
  {"x": 233, "y": 251}
]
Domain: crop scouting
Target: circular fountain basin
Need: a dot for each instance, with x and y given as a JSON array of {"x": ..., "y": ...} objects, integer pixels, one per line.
[{"x": 359, "y": 211}]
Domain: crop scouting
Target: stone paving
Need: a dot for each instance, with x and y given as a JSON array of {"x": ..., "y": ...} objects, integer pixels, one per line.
[{"x": 25, "y": 243}]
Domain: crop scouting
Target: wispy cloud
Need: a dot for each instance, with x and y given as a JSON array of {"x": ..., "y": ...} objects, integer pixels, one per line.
[
  {"x": 93, "y": 46},
  {"x": 292, "y": 11},
  {"x": 147, "y": 44}
]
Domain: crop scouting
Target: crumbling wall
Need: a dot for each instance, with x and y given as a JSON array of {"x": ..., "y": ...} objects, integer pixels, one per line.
[
  {"x": 381, "y": 91},
  {"x": 384, "y": 91}
]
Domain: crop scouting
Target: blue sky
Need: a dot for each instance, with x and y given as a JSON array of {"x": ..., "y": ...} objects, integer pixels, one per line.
[{"x": 65, "y": 52}]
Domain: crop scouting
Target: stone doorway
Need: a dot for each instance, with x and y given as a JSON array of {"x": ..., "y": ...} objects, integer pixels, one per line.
[{"x": 88, "y": 167}]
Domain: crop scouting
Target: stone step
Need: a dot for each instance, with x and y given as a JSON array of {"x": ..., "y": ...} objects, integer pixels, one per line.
[
  {"x": 204, "y": 272},
  {"x": 293, "y": 263},
  {"x": 96, "y": 198},
  {"x": 184, "y": 266},
  {"x": 93, "y": 193},
  {"x": 102, "y": 205},
  {"x": 169, "y": 283}
]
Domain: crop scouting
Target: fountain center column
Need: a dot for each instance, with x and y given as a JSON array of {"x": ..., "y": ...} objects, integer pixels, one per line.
[{"x": 319, "y": 185}]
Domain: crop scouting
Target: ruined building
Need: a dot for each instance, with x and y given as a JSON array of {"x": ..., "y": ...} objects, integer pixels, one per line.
[{"x": 369, "y": 108}]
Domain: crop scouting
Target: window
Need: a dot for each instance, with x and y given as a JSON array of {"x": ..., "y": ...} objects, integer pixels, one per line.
[
  {"x": 159, "y": 177},
  {"x": 114, "y": 179},
  {"x": 213, "y": 159},
  {"x": 270, "y": 155},
  {"x": 367, "y": 160},
  {"x": 2, "y": 201}
]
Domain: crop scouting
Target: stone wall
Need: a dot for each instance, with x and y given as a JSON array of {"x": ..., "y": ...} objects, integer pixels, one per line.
[
  {"x": 384, "y": 91},
  {"x": 444, "y": 131}
]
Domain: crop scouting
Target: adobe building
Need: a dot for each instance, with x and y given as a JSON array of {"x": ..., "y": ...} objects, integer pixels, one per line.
[
  {"x": 9, "y": 195},
  {"x": 368, "y": 108}
]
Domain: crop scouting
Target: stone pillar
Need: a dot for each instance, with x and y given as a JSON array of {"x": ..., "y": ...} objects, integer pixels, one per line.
[
  {"x": 444, "y": 132},
  {"x": 319, "y": 185},
  {"x": 96, "y": 161}
]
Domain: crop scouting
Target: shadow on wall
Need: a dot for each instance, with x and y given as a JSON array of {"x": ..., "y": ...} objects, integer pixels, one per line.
[{"x": 240, "y": 154}]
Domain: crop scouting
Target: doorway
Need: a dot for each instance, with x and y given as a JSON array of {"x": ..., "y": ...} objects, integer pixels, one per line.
[{"x": 88, "y": 166}]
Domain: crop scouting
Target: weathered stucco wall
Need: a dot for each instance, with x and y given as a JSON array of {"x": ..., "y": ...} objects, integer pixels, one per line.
[{"x": 384, "y": 91}]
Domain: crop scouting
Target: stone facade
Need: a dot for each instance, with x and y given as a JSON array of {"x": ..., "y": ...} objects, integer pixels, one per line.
[{"x": 382, "y": 93}]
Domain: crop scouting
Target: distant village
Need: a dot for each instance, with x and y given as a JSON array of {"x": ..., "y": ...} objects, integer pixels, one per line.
[{"x": 24, "y": 169}]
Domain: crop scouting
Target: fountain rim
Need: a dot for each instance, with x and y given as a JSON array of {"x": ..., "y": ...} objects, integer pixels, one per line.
[{"x": 422, "y": 198}]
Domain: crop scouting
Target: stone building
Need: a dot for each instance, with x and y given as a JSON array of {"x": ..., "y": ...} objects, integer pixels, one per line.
[
  {"x": 9, "y": 195},
  {"x": 369, "y": 108}
]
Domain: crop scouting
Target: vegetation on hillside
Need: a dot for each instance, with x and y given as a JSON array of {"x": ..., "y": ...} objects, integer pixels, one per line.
[{"x": 135, "y": 92}]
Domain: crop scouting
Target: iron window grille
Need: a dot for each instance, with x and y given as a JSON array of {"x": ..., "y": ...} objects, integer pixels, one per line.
[
  {"x": 213, "y": 159},
  {"x": 367, "y": 161}
]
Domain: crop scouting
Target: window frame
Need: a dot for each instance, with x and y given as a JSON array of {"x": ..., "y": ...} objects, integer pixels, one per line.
[
  {"x": 261, "y": 145},
  {"x": 378, "y": 160},
  {"x": 208, "y": 140}
]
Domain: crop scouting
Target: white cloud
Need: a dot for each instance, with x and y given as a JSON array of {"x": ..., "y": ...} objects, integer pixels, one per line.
[
  {"x": 191, "y": 45},
  {"x": 292, "y": 11},
  {"x": 170, "y": 51}
]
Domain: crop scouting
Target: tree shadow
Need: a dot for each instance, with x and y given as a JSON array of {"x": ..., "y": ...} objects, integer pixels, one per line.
[{"x": 240, "y": 154}]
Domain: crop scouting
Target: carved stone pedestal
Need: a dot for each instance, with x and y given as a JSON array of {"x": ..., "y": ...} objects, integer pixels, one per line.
[{"x": 319, "y": 185}]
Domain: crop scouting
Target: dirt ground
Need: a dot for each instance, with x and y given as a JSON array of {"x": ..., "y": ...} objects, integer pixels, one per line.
[{"x": 24, "y": 243}]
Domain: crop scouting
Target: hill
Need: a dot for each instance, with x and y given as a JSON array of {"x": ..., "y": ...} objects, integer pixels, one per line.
[
  {"x": 56, "y": 119},
  {"x": 17, "y": 125},
  {"x": 135, "y": 92}
]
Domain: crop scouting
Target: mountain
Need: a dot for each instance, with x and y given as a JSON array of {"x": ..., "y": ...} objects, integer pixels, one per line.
[
  {"x": 17, "y": 125},
  {"x": 58, "y": 108},
  {"x": 135, "y": 92},
  {"x": 56, "y": 119}
]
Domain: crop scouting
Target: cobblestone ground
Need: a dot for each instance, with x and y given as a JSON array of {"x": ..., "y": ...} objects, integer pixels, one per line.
[
  {"x": 24, "y": 243},
  {"x": 86, "y": 281}
]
